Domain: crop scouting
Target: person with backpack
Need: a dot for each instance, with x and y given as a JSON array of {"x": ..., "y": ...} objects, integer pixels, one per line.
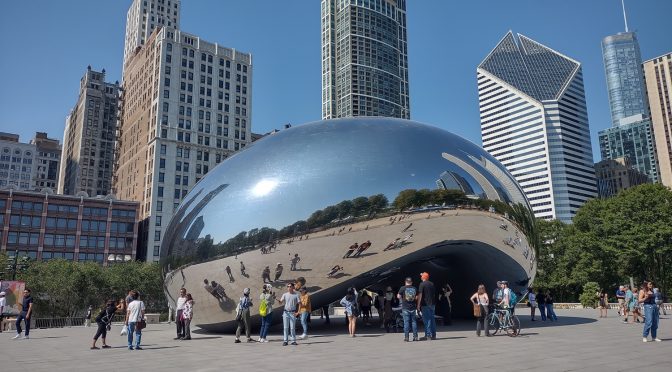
[
  {"x": 351, "y": 310},
  {"x": 104, "y": 320},
  {"x": 243, "y": 316},
  {"x": 266, "y": 300},
  {"x": 408, "y": 295}
]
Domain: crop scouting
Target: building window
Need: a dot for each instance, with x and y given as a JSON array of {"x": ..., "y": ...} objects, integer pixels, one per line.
[
  {"x": 157, "y": 221},
  {"x": 157, "y": 235},
  {"x": 162, "y": 163}
]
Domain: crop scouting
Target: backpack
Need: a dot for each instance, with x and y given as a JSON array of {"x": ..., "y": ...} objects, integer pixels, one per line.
[
  {"x": 513, "y": 298},
  {"x": 263, "y": 308},
  {"x": 409, "y": 294}
]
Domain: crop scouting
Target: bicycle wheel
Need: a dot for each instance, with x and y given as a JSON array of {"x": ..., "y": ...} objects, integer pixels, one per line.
[
  {"x": 513, "y": 328},
  {"x": 493, "y": 324}
]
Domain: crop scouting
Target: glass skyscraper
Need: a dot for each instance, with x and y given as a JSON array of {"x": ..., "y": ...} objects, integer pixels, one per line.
[
  {"x": 633, "y": 141},
  {"x": 625, "y": 77},
  {"x": 364, "y": 58},
  {"x": 534, "y": 121}
]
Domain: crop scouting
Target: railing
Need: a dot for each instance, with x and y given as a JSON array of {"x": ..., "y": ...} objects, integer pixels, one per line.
[
  {"x": 58, "y": 322},
  {"x": 576, "y": 305}
]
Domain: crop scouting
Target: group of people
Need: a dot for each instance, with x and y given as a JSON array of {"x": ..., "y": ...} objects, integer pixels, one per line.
[
  {"x": 134, "y": 320},
  {"x": 356, "y": 249},
  {"x": 645, "y": 302}
]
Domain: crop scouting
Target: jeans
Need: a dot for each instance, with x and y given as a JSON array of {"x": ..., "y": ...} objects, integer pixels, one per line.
[
  {"x": 22, "y": 316},
  {"x": 482, "y": 321},
  {"x": 410, "y": 322},
  {"x": 265, "y": 325},
  {"x": 651, "y": 314},
  {"x": 304, "y": 322},
  {"x": 429, "y": 320},
  {"x": 138, "y": 335},
  {"x": 179, "y": 323},
  {"x": 288, "y": 325},
  {"x": 542, "y": 311},
  {"x": 550, "y": 313}
]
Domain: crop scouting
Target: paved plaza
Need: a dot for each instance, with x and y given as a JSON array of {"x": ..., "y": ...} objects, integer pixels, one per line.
[{"x": 578, "y": 341}]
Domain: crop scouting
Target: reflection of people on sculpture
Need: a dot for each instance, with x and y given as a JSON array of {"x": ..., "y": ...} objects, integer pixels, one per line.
[
  {"x": 219, "y": 290},
  {"x": 210, "y": 289},
  {"x": 362, "y": 248},
  {"x": 392, "y": 244},
  {"x": 278, "y": 271},
  {"x": 299, "y": 282},
  {"x": 228, "y": 272},
  {"x": 295, "y": 260},
  {"x": 242, "y": 269},
  {"x": 407, "y": 227},
  {"x": 334, "y": 270},
  {"x": 351, "y": 250},
  {"x": 266, "y": 275}
]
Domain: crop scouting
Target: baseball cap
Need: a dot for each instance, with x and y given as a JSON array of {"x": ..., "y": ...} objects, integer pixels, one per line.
[{"x": 246, "y": 291}]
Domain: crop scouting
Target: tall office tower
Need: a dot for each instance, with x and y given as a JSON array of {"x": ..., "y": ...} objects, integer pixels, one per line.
[
  {"x": 633, "y": 139},
  {"x": 143, "y": 17},
  {"x": 625, "y": 80},
  {"x": 658, "y": 74},
  {"x": 534, "y": 121},
  {"x": 47, "y": 159},
  {"x": 89, "y": 138},
  {"x": 364, "y": 59},
  {"x": 186, "y": 106}
]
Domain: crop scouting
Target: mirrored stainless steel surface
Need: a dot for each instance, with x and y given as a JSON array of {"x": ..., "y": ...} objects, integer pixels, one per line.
[{"x": 313, "y": 191}]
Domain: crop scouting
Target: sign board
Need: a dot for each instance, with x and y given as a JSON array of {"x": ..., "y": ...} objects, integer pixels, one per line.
[{"x": 13, "y": 295}]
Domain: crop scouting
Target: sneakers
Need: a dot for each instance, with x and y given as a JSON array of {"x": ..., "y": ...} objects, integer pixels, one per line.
[
  {"x": 237, "y": 341},
  {"x": 303, "y": 336},
  {"x": 415, "y": 339},
  {"x": 645, "y": 340},
  {"x": 657, "y": 339},
  {"x": 138, "y": 348},
  {"x": 250, "y": 340},
  {"x": 130, "y": 348},
  {"x": 284, "y": 343},
  {"x": 294, "y": 343},
  {"x": 107, "y": 347},
  {"x": 18, "y": 335}
]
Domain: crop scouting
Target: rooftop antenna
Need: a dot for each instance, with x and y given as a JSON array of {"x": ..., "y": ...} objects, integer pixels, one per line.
[{"x": 625, "y": 16}]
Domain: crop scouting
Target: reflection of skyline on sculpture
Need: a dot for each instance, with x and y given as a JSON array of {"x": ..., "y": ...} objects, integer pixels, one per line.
[{"x": 344, "y": 147}]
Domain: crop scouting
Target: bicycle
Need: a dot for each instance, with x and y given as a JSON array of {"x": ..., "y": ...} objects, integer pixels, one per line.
[{"x": 503, "y": 320}]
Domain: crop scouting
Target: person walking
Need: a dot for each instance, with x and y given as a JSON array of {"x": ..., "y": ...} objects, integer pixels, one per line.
[
  {"x": 620, "y": 297},
  {"x": 349, "y": 302},
  {"x": 304, "y": 310},
  {"x": 104, "y": 321},
  {"x": 3, "y": 303},
  {"x": 187, "y": 316},
  {"x": 290, "y": 300},
  {"x": 243, "y": 316},
  {"x": 87, "y": 318},
  {"x": 550, "y": 313},
  {"x": 627, "y": 299},
  {"x": 541, "y": 304},
  {"x": 427, "y": 306},
  {"x": 480, "y": 299},
  {"x": 531, "y": 302},
  {"x": 651, "y": 314},
  {"x": 24, "y": 315},
  {"x": 294, "y": 261},
  {"x": 179, "y": 316},
  {"x": 603, "y": 303},
  {"x": 266, "y": 300},
  {"x": 228, "y": 272},
  {"x": 135, "y": 313},
  {"x": 408, "y": 295},
  {"x": 242, "y": 270}
]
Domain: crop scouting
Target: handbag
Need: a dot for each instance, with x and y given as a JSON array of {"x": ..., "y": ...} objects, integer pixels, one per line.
[
  {"x": 477, "y": 310},
  {"x": 142, "y": 324}
]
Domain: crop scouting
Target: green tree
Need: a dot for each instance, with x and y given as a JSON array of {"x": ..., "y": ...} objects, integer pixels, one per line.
[
  {"x": 360, "y": 205},
  {"x": 377, "y": 203},
  {"x": 405, "y": 199},
  {"x": 589, "y": 297}
]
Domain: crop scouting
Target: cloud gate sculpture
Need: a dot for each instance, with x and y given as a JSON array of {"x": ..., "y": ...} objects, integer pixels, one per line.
[{"x": 402, "y": 191}]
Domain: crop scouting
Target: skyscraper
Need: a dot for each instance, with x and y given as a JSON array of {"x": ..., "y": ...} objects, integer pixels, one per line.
[
  {"x": 143, "y": 17},
  {"x": 631, "y": 132},
  {"x": 534, "y": 121},
  {"x": 625, "y": 79},
  {"x": 186, "y": 106},
  {"x": 89, "y": 137},
  {"x": 364, "y": 58},
  {"x": 47, "y": 159},
  {"x": 658, "y": 74}
]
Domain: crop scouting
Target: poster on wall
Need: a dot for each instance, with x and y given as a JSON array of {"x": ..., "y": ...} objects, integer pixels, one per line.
[{"x": 13, "y": 294}]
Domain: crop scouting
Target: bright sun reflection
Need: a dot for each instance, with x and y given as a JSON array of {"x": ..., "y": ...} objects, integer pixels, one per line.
[{"x": 264, "y": 187}]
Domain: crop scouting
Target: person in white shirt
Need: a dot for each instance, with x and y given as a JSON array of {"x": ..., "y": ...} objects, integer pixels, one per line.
[
  {"x": 135, "y": 312},
  {"x": 179, "y": 317}
]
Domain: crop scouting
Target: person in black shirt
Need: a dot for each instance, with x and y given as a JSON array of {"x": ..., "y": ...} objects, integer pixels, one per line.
[
  {"x": 426, "y": 304},
  {"x": 408, "y": 295},
  {"x": 541, "y": 304},
  {"x": 104, "y": 320},
  {"x": 26, "y": 312}
]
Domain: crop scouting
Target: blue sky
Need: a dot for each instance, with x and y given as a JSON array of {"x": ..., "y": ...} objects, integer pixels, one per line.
[{"x": 47, "y": 45}]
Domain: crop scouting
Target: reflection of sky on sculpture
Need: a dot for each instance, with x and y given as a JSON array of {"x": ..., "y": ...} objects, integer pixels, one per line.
[{"x": 316, "y": 165}]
